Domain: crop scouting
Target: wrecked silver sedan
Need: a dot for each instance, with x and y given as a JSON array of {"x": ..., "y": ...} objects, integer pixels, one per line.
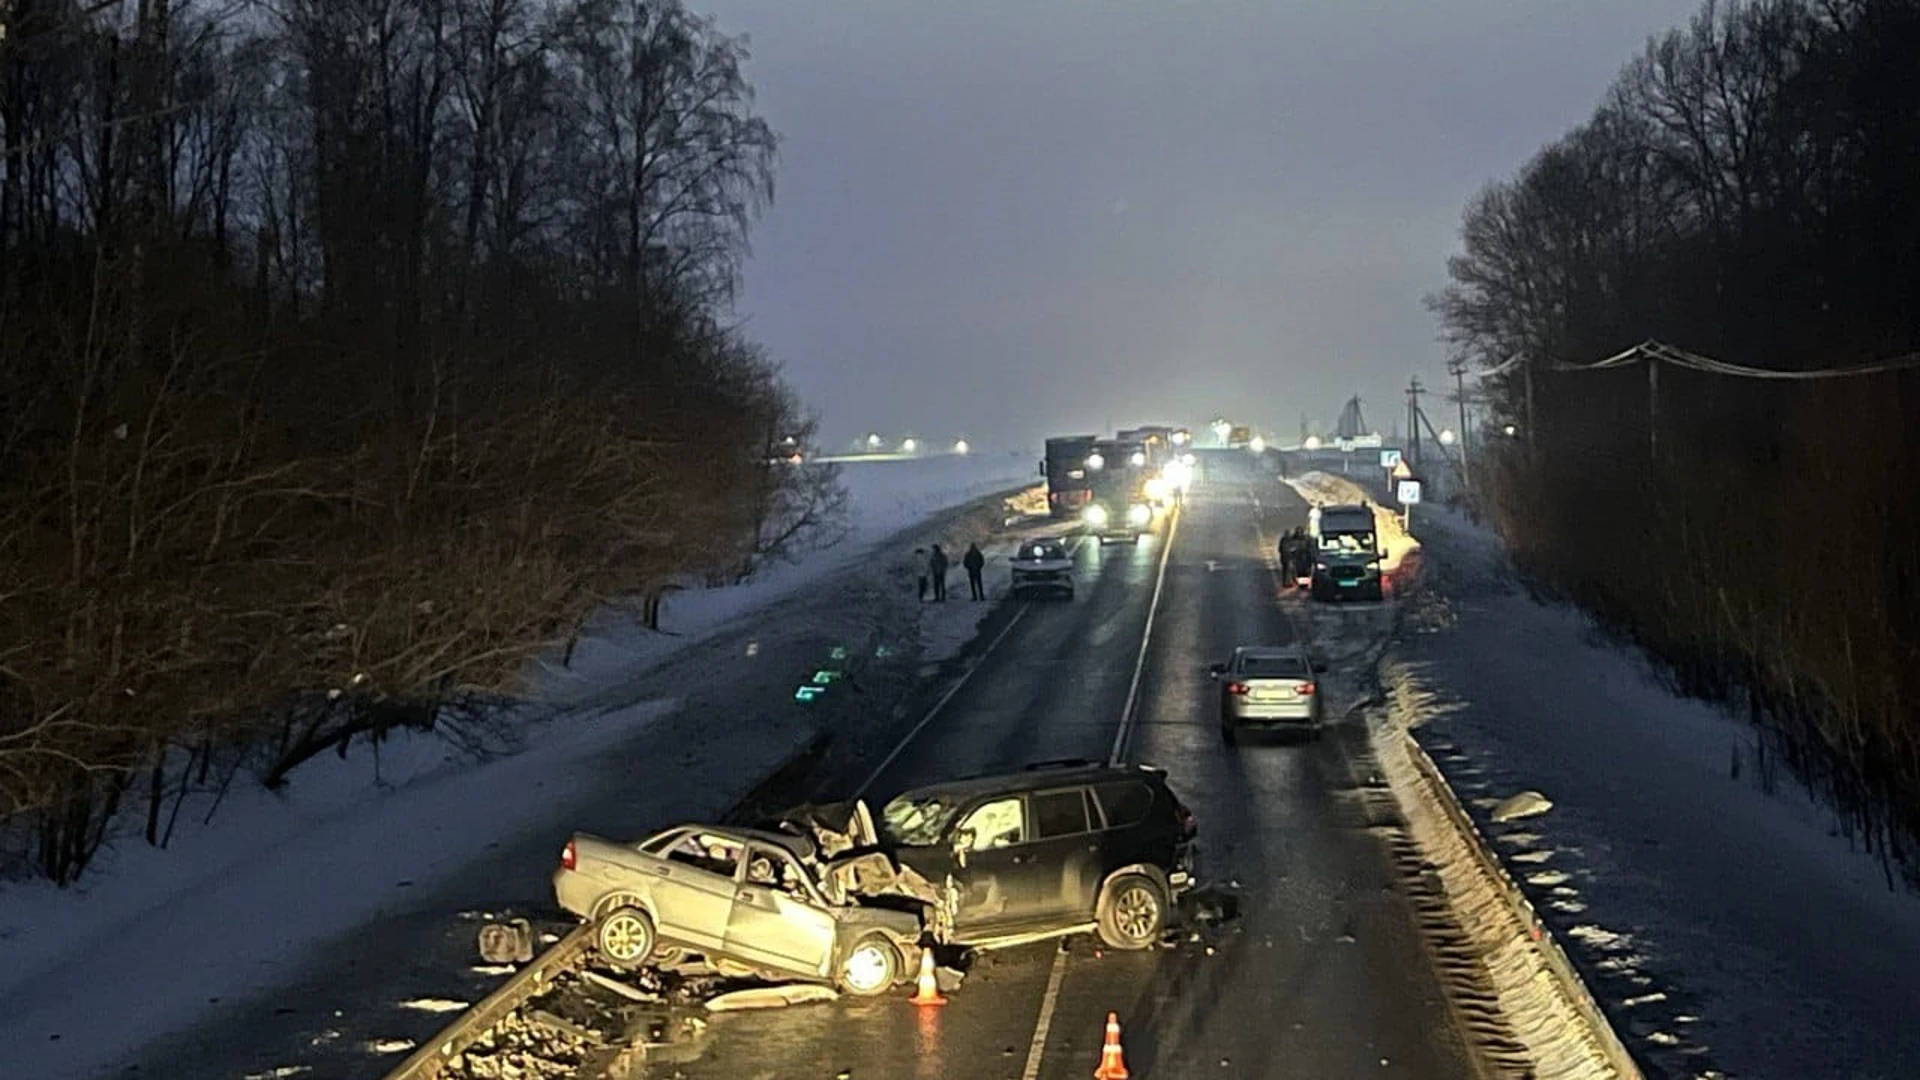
[{"x": 750, "y": 902}]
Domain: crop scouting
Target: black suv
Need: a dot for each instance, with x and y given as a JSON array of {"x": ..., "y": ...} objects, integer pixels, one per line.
[{"x": 1057, "y": 848}]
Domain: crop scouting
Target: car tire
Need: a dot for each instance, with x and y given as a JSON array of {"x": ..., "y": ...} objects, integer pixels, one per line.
[
  {"x": 1132, "y": 912},
  {"x": 625, "y": 937},
  {"x": 870, "y": 968}
]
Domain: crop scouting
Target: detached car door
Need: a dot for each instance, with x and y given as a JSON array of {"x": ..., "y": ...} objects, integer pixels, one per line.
[{"x": 778, "y": 918}]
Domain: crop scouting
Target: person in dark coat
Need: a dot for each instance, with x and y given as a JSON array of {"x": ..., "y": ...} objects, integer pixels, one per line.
[
  {"x": 975, "y": 562},
  {"x": 937, "y": 570}
]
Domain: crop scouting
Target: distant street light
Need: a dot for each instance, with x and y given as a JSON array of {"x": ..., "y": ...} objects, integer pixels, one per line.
[
  {"x": 910, "y": 446},
  {"x": 960, "y": 447},
  {"x": 1312, "y": 443},
  {"x": 1447, "y": 437},
  {"x": 1258, "y": 445},
  {"x": 1511, "y": 430},
  {"x": 873, "y": 441}
]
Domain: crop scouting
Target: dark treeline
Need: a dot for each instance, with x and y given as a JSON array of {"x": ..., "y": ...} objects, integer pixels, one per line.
[
  {"x": 351, "y": 351},
  {"x": 1748, "y": 190}
]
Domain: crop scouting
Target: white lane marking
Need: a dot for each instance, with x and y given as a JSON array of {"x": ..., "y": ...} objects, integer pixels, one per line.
[
  {"x": 954, "y": 689},
  {"x": 978, "y": 663},
  {"x": 1038, "y": 1048},
  {"x": 1115, "y": 755}
]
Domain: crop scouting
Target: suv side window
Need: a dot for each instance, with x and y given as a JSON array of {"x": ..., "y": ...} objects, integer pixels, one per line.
[
  {"x": 997, "y": 824},
  {"x": 1125, "y": 802},
  {"x": 1059, "y": 813}
]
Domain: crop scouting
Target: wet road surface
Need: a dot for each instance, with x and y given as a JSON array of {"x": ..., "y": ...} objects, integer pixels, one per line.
[{"x": 1323, "y": 974}]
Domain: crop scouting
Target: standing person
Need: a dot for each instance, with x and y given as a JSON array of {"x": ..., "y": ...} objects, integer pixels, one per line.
[
  {"x": 937, "y": 570},
  {"x": 920, "y": 558},
  {"x": 975, "y": 562}
]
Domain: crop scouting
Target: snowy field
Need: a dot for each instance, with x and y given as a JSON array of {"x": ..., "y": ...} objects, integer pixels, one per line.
[
  {"x": 1727, "y": 930},
  {"x": 270, "y": 864}
]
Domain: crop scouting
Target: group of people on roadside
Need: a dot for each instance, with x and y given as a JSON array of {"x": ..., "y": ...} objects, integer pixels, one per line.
[
  {"x": 933, "y": 571},
  {"x": 1296, "y": 555}
]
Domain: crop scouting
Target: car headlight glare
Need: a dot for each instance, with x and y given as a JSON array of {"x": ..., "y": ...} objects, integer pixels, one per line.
[
  {"x": 1138, "y": 514},
  {"x": 1096, "y": 515}
]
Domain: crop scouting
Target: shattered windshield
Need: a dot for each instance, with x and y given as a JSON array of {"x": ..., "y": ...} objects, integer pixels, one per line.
[{"x": 918, "y": 821}]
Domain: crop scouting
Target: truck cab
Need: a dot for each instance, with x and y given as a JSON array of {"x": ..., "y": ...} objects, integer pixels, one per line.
[
  {"x": 1118, "y": 510},
  {"x": 1347, "y": 561},
  {"x": 1065, "y": 469}
]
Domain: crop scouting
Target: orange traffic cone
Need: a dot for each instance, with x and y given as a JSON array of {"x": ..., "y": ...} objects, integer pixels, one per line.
[
  {"x": 928, "y": 992},
  {"x": 1113, "y": 1065}
]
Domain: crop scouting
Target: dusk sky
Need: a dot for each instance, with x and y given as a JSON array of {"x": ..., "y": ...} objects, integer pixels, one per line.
[{"x": 1004, "y": 219}]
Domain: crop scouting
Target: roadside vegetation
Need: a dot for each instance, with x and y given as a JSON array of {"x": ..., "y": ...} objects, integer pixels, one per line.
[
  {"x": 1746, "y": 192},
  {"x": 352, "y": 352}
]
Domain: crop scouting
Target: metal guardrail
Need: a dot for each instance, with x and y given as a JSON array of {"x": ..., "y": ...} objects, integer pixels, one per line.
[
  {"x": 1572, "y": 986},
  {"x": 530, "y": 981}
]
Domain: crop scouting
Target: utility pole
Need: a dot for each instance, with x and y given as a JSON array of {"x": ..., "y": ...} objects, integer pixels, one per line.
[
  {"x": 1526, "y": 369},
  {"x": 1414, "y": 390},
  {"x": 1653, "y": 408},
  {"x": 1458, "y": 368}
]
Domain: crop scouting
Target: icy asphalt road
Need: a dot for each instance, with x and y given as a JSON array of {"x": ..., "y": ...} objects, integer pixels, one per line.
[{"x": 1323, "y": 975}]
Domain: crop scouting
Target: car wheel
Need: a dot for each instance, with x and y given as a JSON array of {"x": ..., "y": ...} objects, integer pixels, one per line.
[
  {"x": 1132, "y": 912},
  {"x": 870, "y": 968},
  {"x": 624, "y": 937}
]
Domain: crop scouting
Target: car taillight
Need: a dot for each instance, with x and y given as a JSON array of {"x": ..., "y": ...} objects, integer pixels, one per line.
[
  {"x": 1304, "y": 689},
  {"x": 569, "y": 857},
  {"x": 1236, "y": 688}
]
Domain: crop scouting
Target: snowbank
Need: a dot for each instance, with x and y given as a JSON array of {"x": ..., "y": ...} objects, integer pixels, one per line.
[
  {"x": 885, "y": 495},
  {"x": 1723, "y": 926},
  {"x": 1320, "y": 488}
]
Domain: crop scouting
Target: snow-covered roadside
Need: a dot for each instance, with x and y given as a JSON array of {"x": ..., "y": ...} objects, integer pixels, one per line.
[
  {"x": 247, "y": 893},
  {"x": 884, "y": 497},
  {"x": 232, "y": 903},
  {"x": 1721, "y": 926}
]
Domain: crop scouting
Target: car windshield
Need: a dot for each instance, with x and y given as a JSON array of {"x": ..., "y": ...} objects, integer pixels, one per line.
[
  {"x": 1347, "y": 543},
  {"x": 918, "y": 820},
  {"x": 1272, "y": 667}
]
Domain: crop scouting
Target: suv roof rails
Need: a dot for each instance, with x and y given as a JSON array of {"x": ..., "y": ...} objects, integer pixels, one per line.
[{"x": 1059, "y": 763}]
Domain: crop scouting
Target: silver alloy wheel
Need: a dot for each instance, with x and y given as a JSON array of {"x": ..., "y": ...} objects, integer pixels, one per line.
[
  {"x": 867, "y": 969},
  {"x": 1136, "y": 912},
  {"x": 625, "y": 937}
]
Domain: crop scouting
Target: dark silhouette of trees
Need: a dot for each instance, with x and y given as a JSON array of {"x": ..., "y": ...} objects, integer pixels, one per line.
[
  {"x": 1746, "y": 191},
  {"x": 351, "y": 351}
]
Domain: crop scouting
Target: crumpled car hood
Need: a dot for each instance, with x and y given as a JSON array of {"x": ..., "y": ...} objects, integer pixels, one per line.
[{"x": 853, "y": 863}]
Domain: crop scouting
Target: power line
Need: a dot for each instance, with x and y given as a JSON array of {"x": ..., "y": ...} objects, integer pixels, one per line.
[{"x": 1651, "y": 351}]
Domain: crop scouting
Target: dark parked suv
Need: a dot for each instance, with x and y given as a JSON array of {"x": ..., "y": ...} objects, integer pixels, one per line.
[{"x": 1057, "y": 848}]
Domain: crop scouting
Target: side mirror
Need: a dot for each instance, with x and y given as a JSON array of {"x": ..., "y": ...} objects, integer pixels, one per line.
[
  {"x": 1043, "y": 468},
  {"x": 1216, "y": 670},
  {"x": 962, "y": 843}
]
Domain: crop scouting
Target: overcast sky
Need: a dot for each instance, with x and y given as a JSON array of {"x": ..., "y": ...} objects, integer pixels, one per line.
[{"x": 1004, "y": 219}]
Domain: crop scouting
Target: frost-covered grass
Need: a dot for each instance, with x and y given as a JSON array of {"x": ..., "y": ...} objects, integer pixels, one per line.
[{"x": 1722, "y": 918}]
